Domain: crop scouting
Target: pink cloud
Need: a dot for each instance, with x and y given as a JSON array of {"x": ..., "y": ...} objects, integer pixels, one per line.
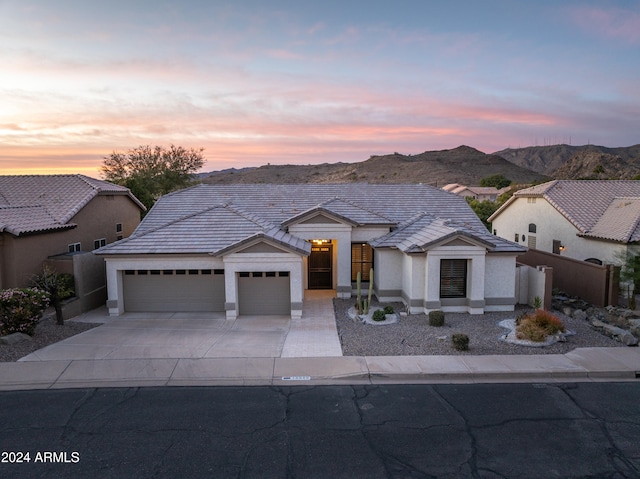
[{"x": 611, "y": 23}]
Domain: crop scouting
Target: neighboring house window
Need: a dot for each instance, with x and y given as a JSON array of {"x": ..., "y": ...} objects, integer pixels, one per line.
[
  {"x": 361, "y": 261},
  {"x": 453, "y": 278},
  {"x": 517, "y": 238},
  {"x": 556, "y": 246},
  {"x": 118, "y": 227},
  {"x": 99, "y": 243},
  {"x": 532, "y": 227},
  {"x": 73, "y": 247},
  {"x": 532, "y": 242},
  {"x": 531, "y": 200}
]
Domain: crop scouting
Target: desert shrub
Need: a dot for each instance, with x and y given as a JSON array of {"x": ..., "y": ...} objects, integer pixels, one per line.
[
  {"x": 21, "y": 309},
  {"x": 388, "y": 310},
  {"x": 378, "y": 315},
  {"x": 538, "y": 325},
  {"x": 436, "y": 318},
  {"x": 460, "y": 342}
]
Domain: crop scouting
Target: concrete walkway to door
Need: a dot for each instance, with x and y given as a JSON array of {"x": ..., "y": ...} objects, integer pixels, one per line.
[
  {"x": 202, "y": 335},
  {"x": 316, "y": 333}
]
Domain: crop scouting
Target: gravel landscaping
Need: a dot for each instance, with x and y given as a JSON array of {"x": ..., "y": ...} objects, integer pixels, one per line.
[
  {"x": 412, "y": 335},
  {"x": 47, "y": 332}
]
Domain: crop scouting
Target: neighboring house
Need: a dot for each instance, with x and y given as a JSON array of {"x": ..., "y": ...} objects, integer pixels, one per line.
[
  {"x": 588, "y": 220},
  {"x": 46, "y": 215},
  {"x": 255, "y": 249},
  {"x": 480, "y": 193}
]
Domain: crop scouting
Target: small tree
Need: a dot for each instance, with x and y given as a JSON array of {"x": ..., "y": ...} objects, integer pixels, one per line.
[
  {"x": 150, "y": 172},
  {"x": 59, "y": 286},
  {"x": 629, "y": 263}
]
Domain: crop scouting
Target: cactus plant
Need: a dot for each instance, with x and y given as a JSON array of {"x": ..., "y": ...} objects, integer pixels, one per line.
[
  {"x": 370, "y": 290},
  {"x": 359, "y": 297}
]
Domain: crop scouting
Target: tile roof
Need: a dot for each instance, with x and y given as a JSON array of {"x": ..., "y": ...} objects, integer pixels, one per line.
[
  {"x": 35, "y": 203},
  {"x": 214, "y": 218},
  {"x": 592, "y": 206},
  {"x": 425, "y": 230}
]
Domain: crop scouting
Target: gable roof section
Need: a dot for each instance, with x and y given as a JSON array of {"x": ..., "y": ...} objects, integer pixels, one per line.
[
  {"x": 426, "y": 231},
  {"x": 344, "y": 211},
  {"x": 588, "y": 205},
  {"x": 218, "y": 219},
  {"x": 38, "y": 203}
]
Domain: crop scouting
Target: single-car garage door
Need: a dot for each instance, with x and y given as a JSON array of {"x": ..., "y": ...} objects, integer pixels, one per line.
[
  {"x": 174, "y": 290},
  {"x": 264, "y": 293}
]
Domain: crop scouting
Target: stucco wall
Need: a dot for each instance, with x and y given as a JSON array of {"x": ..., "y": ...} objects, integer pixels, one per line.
[
  {"x": 388, "y": 274},
  {"x": 551, "y": 225},
  {"x": 23, "y": 256},
  {"x": 499, "y": 282}
]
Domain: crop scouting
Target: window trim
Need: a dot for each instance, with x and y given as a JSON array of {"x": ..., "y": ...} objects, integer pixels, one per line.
[
  {"x": 453, "y": 277},
  {"x": 74, "y": 247},
  {"x": 361, "y": 263}
]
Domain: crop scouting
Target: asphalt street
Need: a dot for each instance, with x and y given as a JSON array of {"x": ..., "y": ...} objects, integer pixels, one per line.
[{"x": 575, "y": 430}]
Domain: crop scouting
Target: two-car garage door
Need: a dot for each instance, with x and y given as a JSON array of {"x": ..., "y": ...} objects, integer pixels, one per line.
[
  {"x": 259, "y": 293},
  {"x": 174, "y": 290}
]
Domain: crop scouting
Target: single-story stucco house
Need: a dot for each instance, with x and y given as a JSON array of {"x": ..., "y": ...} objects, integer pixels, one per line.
[{"x": 254, "y": 249}]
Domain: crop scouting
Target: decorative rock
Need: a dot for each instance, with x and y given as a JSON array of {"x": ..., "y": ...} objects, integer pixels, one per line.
[
  {"x": 635, "y": 326},
  {"x": 15, "y": 338},
  {"x": 567, "y": 311},
  {"x": 580, "y": 314},
  {"x": 619, "y": 334}
]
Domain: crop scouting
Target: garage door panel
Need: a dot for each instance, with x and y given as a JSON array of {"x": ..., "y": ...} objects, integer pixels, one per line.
[
  {"x": 173, "y": 292},
  {"x": 264, "y": 295}
]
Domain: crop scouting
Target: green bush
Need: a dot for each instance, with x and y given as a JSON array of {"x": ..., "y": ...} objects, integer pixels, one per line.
[
  {"x": 21, "y": 309},
  {"x": 436, "y": 318},
  {"x": 378, "y": 315},
  {"x": 460, "y": 342},
  {"x": 388, "y": 310}
]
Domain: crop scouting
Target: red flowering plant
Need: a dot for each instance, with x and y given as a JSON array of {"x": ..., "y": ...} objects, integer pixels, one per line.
[
  {"x": 538, "y": 325},
  {"x": 21, "y": 309}
]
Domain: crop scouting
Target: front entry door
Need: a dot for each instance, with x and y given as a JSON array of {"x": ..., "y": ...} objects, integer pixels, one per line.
[{"x": 320, "y": 261}]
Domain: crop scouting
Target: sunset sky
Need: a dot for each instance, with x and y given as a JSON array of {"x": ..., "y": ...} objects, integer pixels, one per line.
[{"x": 256, "y": 82}]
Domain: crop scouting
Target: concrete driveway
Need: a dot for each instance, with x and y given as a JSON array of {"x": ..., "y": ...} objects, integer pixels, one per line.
[{"x": 202, "y": 335}]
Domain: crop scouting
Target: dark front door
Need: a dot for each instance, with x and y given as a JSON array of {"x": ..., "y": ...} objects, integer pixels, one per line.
[{"x": 320, "y": 267}]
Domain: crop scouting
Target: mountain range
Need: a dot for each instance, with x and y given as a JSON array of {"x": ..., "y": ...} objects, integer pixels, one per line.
[{"x": 464, "y": 165}]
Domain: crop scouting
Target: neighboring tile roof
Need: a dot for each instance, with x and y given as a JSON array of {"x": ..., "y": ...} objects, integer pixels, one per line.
[
  {"x": 619, "y": 222},
  {"x": 36, "y": 203},
  {"x": 216, "y": 218},
  {"x": 592, "y": 206},
  {"x": 456, "y": 189}
]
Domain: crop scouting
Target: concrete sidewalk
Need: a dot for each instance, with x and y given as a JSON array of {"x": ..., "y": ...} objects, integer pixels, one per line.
[{"x": 580, "y": 365}]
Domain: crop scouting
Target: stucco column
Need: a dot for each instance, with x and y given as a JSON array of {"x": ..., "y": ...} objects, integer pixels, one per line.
[
  {"x": 230, "y": 291},
  {"x": 432, "y": 284},
  {"x": 476, "y": 284},
  {"x": 115, "y": 290},
  {"x": 343, "y": 263}
]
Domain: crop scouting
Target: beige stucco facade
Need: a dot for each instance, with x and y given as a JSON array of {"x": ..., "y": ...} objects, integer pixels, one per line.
[{"x": 22, "y": 257}]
